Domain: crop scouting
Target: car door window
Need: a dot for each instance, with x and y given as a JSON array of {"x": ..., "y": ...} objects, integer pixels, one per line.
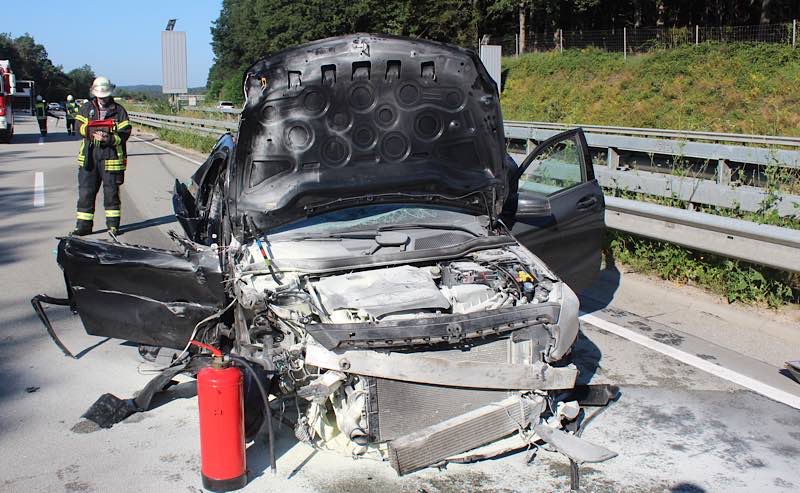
[{"x": 556, "y": 167}]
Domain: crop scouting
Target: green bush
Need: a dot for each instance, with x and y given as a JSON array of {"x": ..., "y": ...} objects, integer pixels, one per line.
[
  {"x": 202, "y": 143},
  {"x": 737, "y": 281}
]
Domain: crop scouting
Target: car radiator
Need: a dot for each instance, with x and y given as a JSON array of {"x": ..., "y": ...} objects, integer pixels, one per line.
[{"x": 408, "y": 413}]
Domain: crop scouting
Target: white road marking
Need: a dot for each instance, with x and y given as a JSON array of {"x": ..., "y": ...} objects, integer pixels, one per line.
[
  {"x": 169, "y": 151},
  {"x": 38, "y": 189},
  {"x": 41, "y": 141},
  {"x": 719, "y": 371}
]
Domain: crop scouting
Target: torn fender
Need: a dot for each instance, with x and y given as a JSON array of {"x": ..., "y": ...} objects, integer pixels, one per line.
[{"x": 140, "y": 294}]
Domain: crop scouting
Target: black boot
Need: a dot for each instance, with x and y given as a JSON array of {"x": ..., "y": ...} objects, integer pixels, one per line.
[
  {"x": 112, "y": 223},
  {"x": 83, "y": 228}
]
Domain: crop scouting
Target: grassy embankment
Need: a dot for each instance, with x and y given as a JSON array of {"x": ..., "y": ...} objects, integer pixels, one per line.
[{"x": 725, "y": 88}]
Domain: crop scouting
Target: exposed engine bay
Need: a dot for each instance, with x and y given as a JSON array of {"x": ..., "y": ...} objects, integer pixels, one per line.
[{"x": 396, "y": 359}]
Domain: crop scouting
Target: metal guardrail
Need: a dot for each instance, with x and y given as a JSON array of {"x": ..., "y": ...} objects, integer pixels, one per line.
[
  {"x": 212, "y": 127},
  {"x": 734, "y": 238},
  {"x": 719, "y": 150},
  {"x": 229, "y": 111}
]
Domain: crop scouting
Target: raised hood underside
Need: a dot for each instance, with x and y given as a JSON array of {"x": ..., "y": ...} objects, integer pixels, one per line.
[{"x": 368, "y": 118}]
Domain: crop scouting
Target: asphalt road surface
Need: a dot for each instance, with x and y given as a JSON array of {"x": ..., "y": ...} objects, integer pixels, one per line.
[{"x": 677, "y": 426}]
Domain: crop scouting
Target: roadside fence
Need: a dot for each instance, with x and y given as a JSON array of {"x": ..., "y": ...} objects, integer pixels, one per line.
[{"x": 630, "y": 40}]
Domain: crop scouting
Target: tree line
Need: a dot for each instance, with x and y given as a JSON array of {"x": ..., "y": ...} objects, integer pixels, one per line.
[
  {"x": 30, "y": 61},
  {"x": 248, "y": 30}
]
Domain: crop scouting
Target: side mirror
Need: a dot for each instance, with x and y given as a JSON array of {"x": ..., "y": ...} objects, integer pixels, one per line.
[{"x": 533, "y": 205}]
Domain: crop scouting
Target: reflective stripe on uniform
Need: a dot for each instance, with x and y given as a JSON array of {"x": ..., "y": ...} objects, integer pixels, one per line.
[
  {"x": 85, "y": 216},
  {"x": 81, "y": 118},
  {"x": 81, "y": 157},
  {"x": 123, "y": 124},
  {"x": 115, "y": 165},
  {"x": 113, "y": 213},
  {"x": 117, "y": 140}
]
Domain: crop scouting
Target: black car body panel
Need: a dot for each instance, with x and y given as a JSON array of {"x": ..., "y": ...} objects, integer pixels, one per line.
[
  {"x": 140, "y": 294},
  {"x": 363, "y": 118},
  {"x": 451, "y": 329}
]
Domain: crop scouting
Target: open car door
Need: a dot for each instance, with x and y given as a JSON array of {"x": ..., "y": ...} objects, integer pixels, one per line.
[
  {"x": 560, "y": 208},
  {"x": 199, "y": 204},
  {"x": 152, "y": 296},
  {"x": 140, "y": 294}
]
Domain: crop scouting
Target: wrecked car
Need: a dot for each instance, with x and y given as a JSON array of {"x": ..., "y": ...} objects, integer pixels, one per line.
[{"x": 365, "y": 241}]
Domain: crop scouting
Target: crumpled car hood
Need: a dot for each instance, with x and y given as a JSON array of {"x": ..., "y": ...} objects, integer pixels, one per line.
[{"x": 363, "y": 119}]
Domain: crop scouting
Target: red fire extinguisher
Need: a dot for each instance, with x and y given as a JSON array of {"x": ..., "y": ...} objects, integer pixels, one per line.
[{"x": 221, "y": 406}]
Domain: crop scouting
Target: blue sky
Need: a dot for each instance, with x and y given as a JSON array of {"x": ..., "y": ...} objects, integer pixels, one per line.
[{"x": 120, "y": 40}]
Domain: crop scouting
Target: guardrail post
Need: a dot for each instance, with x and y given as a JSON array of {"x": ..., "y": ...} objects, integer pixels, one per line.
[
  {"x": 561, "y": 40},
  {"x": 723, "y": 172},
  {"x": 530, "y": 145},
  {"x": 696, "y": 34},
  {"x": 794, "y": 33},
  {"x": 612, "y": 159},
  {"x": 625, "y": 44}
]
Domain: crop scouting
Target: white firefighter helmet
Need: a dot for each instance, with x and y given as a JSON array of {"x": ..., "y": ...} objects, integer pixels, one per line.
[
  {"x": 69, "y": 97},
  {"x": 102, "y": 87},
  {"x": 38, "y": 98}
]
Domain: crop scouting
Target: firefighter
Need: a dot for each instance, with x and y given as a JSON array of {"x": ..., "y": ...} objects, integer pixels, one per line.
[
  {"x": 72, "y": 111},
  {"x": 41, "y": 114},
  {"x": 102, "y": 157}
]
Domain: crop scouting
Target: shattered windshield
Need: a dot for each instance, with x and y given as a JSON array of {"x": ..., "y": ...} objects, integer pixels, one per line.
[{"x": 384, "y": 216}]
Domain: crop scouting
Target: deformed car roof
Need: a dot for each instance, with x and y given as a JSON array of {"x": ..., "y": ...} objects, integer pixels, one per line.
[{"x": 367, "y": 118}]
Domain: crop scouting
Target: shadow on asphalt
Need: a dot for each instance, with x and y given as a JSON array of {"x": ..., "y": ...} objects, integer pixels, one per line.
[
  {"x": 586, "y": 356},
  {"x": 687, "y": 488},
  {"x": 89, "y": 349},
  {"x": 184, "y": 390},
  {"x": 258, "y": 452},
  {"x": 147, "y": 154},
  {"x": 147, "y": 223},
  {"x": 19, "y": 236},
  {"x": 600, "y": 293},
  {"x": 60, "y": 136}
]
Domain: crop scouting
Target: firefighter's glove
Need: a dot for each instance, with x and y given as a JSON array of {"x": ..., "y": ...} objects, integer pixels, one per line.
[{"x": 101, "y": 138}]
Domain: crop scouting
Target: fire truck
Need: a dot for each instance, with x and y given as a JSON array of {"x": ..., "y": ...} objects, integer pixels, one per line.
[{"x": 8, "y": 88}]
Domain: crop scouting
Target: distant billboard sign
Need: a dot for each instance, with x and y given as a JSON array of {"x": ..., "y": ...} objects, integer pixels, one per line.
[
  {"x": 173, "y": 62},
  {"x": 490, "y": 56}
]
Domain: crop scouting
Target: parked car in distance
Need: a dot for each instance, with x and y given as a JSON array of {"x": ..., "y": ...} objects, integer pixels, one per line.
[{"x": 225, "y": 105}]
